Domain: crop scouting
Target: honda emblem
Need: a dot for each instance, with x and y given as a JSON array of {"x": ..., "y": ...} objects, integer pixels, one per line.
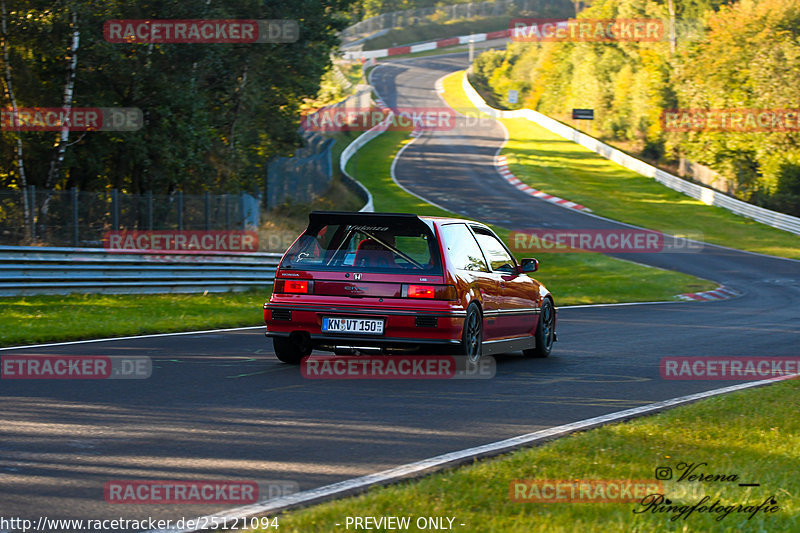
[{"x": 357, "y": 277}]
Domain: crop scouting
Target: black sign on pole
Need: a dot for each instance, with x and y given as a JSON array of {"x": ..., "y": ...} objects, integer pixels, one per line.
[{"x": 583, "y": 114}]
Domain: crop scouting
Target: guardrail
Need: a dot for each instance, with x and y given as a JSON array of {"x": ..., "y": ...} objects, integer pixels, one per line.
[
  {"x": 708, "y": 196},
  {"x": 39, "y": 270}
]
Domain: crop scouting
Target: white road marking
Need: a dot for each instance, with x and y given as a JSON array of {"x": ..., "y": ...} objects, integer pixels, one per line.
[{"x": 128, "y": 338}]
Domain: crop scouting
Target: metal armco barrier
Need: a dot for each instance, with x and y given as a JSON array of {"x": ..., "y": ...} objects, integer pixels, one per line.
[
  {"x": 706, "y": 195},
  {"x": 38, "y": 270}
]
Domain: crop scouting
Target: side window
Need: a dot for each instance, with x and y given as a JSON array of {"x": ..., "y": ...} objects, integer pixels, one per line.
[
  {"x": 498, "y": 256},
  {"x": 463, "y": 251}
]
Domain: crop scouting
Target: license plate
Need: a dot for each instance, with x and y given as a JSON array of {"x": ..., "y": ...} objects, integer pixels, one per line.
[{"x": 365, "y": 326}]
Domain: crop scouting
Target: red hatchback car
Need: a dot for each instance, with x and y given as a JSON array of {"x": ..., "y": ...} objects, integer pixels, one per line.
[{"x": 383, "y": 283}]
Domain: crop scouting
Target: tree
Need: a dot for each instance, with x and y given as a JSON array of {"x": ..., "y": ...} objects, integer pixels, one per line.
[{"x": 213, "y": 113}]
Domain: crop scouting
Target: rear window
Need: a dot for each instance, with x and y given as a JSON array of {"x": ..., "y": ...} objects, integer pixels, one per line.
[{"x": 366, "y": 247}]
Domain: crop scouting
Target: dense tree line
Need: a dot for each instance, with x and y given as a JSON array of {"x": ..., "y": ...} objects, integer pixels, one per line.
[
  {"x": 727, "y": 55},
  {"x": 213, "y": 113}
]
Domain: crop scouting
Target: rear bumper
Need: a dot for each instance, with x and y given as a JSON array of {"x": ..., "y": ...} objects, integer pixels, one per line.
[{"x": 402, "y": 327}]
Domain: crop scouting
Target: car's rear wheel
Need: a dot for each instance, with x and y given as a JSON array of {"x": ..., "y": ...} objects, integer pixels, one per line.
[
  {"x": 472, "y": 337},
  {"x": 288, "y": 351},
  {"x": 545, "y": 331}
]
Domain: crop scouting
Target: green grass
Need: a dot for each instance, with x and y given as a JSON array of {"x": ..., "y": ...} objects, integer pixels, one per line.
[
  {"x": 580, "y": 278},
  {"x": 35, "y": 319},
  {"x": 563, "y": 168},
  {"x": 754, "y": 434}
]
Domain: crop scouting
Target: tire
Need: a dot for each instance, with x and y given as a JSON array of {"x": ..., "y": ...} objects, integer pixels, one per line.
[
  {"x": 472, "y": 336},
  {"x": 288, "y": 351},
  {"x": 545, "y": 331}
]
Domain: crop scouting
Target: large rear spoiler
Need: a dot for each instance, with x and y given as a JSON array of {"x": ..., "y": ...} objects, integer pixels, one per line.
[{"x": 371, "y": 221}]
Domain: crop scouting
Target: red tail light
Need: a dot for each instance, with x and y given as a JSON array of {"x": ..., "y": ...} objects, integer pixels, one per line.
[
  {"x": 421, "y": 291},
  {"x": 294, "y": 286},
  {"x": 433, "y": 292}
]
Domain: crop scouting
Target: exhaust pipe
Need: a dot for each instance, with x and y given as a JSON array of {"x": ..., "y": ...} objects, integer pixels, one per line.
[{"x": 356, "y": 350}]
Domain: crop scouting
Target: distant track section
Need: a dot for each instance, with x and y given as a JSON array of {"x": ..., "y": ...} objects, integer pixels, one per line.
[{"x": 26, "y": 270}]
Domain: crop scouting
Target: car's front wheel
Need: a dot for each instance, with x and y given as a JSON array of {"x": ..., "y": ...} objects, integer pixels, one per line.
[
  {"x": 472, "y": 337},
  {"x": 545, "y": 331},
  {"x": 288, "y": 351}
]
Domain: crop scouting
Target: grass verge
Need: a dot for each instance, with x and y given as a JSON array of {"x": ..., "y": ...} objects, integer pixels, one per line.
[
  {"x": 37, "y": 319},
  {"x": 752, "y": 434},
  {"x": 563, "y": 168},
  {"x": 572, "y": 278}
]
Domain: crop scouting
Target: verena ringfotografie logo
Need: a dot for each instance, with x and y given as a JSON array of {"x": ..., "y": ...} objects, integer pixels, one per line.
[
  {"x": 195, "y": 492},
  {"x": 620, "y": 241},
  {"x": 397, "y": 367},
  {"x": 731, "y": 120},
  {"x": 338, "y": 118},
  {"x": 587, "y": 30},
  {"x": 73, "y": 119},
  {"x": 163, "y": 240},
  {"x": 728, "y": 368},
  {"x": 685, "y": 494},
  {"x": 581, "y": 490},
  {"x": 75, "y": 367},
  {"x": 201, "y": 31}
]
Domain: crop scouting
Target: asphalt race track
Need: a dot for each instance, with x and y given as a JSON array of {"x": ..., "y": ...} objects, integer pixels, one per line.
[{"x": 221, "y": 406}]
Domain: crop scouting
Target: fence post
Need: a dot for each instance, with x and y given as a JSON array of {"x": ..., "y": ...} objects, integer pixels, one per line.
[
  {"x": 150, "y": 210},
  {"x": 180, "y": 210},
  {"x": 207, "y": 210},
  {"x": 329, "y": 161},
  {"x": 227, "y": 212},
  {"x": 32, "y": 210},
  {"x": 243, "y": 204},
  {"x": 115, "y": 209},
  {"x": 75, "y": 239}
]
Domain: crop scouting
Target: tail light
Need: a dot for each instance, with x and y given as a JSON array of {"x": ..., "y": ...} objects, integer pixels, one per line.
[
  {"x": 430, "y": 292},
  {"x": 294, "y": 286},
  {"x": 421, "y": 291}
]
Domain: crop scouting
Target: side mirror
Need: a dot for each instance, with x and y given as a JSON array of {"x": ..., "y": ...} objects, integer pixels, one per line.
[{"x": 530, "y": 265}]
